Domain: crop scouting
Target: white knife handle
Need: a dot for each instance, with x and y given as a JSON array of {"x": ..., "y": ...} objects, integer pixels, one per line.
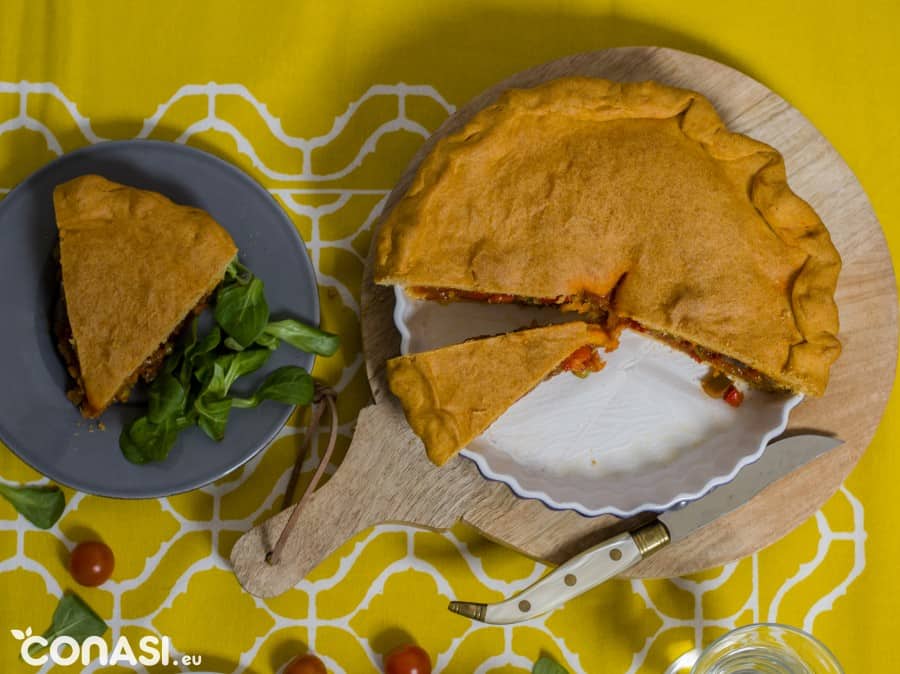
[{"x": 578, "y": 575}]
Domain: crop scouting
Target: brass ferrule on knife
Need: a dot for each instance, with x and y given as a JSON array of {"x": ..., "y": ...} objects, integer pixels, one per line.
[
  {"x": 468, "y": 609},
  {"x": 651, "y": 538}
]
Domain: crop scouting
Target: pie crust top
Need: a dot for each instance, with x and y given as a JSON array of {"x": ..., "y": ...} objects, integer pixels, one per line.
[
  {"x": 634, "y": 193},
  {"x": 133, "y": 265}
]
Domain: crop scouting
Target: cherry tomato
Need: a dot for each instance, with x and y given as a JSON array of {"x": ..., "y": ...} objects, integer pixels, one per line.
[
  {"x": 407, "y": 660},
  {"x": 91, "y": 563},
  {"x": 305, "y": 664},
  {"x": 733, "y": 396}
]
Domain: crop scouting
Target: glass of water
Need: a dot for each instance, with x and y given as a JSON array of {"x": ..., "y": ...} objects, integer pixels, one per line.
[{"x": 767, "y": 648}]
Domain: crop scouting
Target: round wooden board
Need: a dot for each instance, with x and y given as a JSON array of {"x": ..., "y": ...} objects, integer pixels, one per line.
[
  {"x": 386, "y": 476},
  {"x": 860, "y": 381}
]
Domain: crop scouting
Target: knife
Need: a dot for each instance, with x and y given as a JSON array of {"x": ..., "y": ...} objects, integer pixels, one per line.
[{"x": 615, "y": 555}]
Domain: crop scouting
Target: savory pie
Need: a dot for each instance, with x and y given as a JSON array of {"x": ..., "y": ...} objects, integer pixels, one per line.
[
  {"x": 134, "y": 268},
  {"x": 630, "y": 201},
  {"x": 451, "y": 395}
]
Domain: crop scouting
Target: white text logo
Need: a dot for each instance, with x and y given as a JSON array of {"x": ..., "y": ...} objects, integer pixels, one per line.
[{"x": 36, "y": 650}]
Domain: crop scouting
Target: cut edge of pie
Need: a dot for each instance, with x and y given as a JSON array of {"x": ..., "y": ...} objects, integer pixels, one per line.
[{"x": 451, "y": 395}]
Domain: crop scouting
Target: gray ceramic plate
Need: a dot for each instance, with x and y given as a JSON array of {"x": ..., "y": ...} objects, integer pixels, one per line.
[{"x": 37, "y": 422}]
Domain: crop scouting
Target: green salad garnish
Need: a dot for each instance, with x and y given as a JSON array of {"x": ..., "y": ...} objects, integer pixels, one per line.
[
  {"x": 42, "y": 506},
  {"x": 547, "y": 665},
  {"x": 194, "y": 384}
]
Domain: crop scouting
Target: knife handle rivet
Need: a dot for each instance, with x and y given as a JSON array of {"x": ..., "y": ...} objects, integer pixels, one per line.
[
  {"x": 615, "y": 554},
  {"x": 570, "y": 579},
  {"x": 524, "y": 606}
]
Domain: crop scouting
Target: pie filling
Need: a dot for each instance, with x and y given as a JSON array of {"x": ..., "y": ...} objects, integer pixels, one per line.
[
  {"x": 718, "y": 361},
  {"x": 452, "y": 295},
  {"x": 588, "y": 304},
  {"x": 147, "y": 370},
  {"x": 582, "y": 362},
  {"x": 599, "y": 307}
]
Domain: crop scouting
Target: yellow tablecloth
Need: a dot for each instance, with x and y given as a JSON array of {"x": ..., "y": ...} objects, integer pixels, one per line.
[{"x": 324, "y": 104}]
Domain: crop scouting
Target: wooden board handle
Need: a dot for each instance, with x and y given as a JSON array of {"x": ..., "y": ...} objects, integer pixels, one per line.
[
  {"x": 320, "y": 530},
  {"x": 384, "y": 477}
]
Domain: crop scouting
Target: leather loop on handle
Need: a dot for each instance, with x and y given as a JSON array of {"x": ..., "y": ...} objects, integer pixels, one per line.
[
  {"x": 325, "y": 399},
  {"x": 326, "y": 521},
  {"x": 385, "y": 477}
]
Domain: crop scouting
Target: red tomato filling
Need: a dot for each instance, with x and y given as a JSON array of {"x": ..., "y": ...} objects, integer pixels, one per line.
[
  {"x": 720, "y": 362},
  {"x": 582, "y": 362},
  {"x": 733, "y": 396}
]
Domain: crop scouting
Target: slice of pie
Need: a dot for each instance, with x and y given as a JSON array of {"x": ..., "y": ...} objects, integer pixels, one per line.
[
  {"x": 135, "y": 267},
  {"x": 451, "y": 395},
  {"x": 631, "y": 200}
]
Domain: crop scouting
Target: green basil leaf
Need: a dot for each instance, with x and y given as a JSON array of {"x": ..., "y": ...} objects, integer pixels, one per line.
[
  {"x": 304, "y": 337},
  {"x": 185, "y": 420},
  {"x": 182, "y": 356},
  {"x": 209, "y": 342},
  {"x": 72, "y": 618},
  {"x": 184, "y": 375},
  {"x": 236, "y": 272},
  {"x": 231, "y": 343},
  {"x": 198, "y": 362},
  {"x": 42, "y": 506},
  {"x": 212, "y": 414},
  {"x": 214, "y": 386},
  {"x": 203, "y": 366},
  {"x": 289, "y": 384},
  {"x": 242, "y": 310},
  {"x": 170, "y": 364},
  {"x": 269, "y": 341},
  {"x": 190, "y": 340},
  {"x": 134, "y": 452},
  {"x": 241, "y": 363},
  {"x": 546, "y": 665},
  {"x": 165, "y": 398},
  {"x": 142, "y": 441}
]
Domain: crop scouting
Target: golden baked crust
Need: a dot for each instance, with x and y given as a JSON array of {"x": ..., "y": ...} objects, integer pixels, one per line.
[
  {"x": 133, "y": 265},
  {"x": 451, "y": 395},
  {"x": 636, "y": 192}
]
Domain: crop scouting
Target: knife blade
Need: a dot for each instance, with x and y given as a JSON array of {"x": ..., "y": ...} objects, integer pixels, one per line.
[{"x": 617, "y": 554}]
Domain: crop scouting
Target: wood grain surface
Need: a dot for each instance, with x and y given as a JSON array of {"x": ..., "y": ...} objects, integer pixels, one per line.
[{"x": 386, "y": 476}]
